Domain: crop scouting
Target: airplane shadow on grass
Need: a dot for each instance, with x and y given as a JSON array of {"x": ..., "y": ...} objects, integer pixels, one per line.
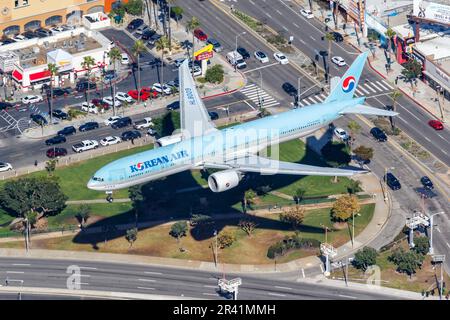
[{"x": 162, "y": 204}]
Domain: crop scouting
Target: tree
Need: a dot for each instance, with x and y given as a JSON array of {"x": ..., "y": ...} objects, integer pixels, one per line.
[
  {"x": 412, "y": 70},
  {"x": 330, "y": 38},
  {"x": 363, "y": 153},
  {"x": 87, "y": 64},
  {"x": 248, "y": 226},
  {"x": 365, "y": 258},
  {"x": 137, "y": 49},
  {"x": 353, "y": 127},
  {"x": 214, "y": 74},
  {"x": 191, "y": 25},
  {"x": 299, "y": 194},
  {"x": 394, "y": 96},
  {"x": 137, "y": 199},
  {"x": 407, "y": 262},
  {"x": 169, "y": 9},
  {"x": 422, "y": 245},
  {"x": 84, "y": 212},
  {"x": 293, "y": 215},
  {"x": 50, "y": 166},
  {"x": 249, "y": 195},
  {"x": 162, "y": 44},
  {"x": 344, "y": 207},
  {"x": 53, "y": 69},
  {"x": 134, "y": 7},
  {"x": 177, "y": 11},
  {"x": 354, "y": 186},
  {"x": 131, "y": 236},
  {"x": 42, "y": 195},
  {"x": 225, "y": 239},
  {"x": 389, "y": 34},
  {"x": 114, "y": 56},
  {"x": 179, "y": 230}
]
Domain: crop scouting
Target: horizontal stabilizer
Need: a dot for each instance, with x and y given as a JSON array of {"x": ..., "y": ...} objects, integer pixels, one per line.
[{"x": 362, "y": 109}]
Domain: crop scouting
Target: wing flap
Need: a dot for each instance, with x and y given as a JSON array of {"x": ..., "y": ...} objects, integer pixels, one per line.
[{"x": 362, "y": 109}]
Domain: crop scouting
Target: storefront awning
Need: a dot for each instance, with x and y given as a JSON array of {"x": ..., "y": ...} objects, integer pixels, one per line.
[
  {"x": 443, "y": 86},
  {"x": 40, "y": 75},
  {"x": 17, "y": 75}
]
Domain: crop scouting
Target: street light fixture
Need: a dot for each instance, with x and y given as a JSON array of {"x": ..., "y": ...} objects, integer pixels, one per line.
[
  {"x": 238, "y": 35},
  {"x": 298, "y": 91}
]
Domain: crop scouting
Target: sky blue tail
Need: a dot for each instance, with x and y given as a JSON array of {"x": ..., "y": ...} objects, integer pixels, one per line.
[{"x": 346, "y": 87}]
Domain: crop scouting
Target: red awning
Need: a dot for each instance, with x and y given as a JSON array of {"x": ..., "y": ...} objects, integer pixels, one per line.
[
  {"x": 40, "y": 75},
  {"x": 17, "y": 75}
]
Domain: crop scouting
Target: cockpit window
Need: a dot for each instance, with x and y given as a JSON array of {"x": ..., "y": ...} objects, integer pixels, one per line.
[{"x": 97, "y": 179}]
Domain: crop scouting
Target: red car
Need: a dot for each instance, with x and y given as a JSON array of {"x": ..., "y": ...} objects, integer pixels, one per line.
[
  {"x": 154, "y": 94},
  {"x": 134, "y": 94},
  {"x": 56, "y": 152},
  {"x": 200, "y": 35},
  {"x": 436, "y": 124}
]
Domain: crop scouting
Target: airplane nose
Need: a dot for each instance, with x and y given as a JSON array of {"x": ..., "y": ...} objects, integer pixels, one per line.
[{"x": 91, "y": 184}]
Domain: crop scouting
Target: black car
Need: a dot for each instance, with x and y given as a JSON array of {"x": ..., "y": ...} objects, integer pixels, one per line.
[
  {"x": 392, "y": 181},
  {"x": 174, "y": 105},
  {"x": 110, "y": 75},
  {"x": 338, "y": 37},
  {"x": 128, "y": 135},
  {"x": 55, "y": 140},
  {"x": 154, "y": 38},
  {"x": 29, "y": 34},
  {"x": 57, "y": 92},
  {"x": 289, "y": 89},
  {"x": 176, "y": 17},
  {"x": 243, "y": 52},
  {"x": 147, "y": 34},
  {"x": 56, "y": 152},
  {"x": 213, "y": 115},
  {"x": 82, "y": 86},
  {"x": 42, "y": 32},
  {"x": 88, "y": 126},
  {"x": 426, "y": 182},
  {"x": 40, "y": 120},
  {"x": 60, "y": 114},
  {"x": 7, "y": 41},
  {"x": 134, "y": 24},
  {"x": 378, "y": 134},
  {"x": 121, "y": 123},
  {"x": 5, "y": 105},
  {"x": 67, "y": 131}
]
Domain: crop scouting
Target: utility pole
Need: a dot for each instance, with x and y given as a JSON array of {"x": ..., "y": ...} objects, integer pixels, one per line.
[
  {"x": 353, "y": 229},
  {"x": 215, "y": 251},
  {"x": 238, "y": 35},
  {"x": 431, "y": 251}
]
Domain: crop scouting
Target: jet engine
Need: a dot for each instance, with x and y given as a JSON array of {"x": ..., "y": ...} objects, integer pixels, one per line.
[{"x": 224, "y": 180}]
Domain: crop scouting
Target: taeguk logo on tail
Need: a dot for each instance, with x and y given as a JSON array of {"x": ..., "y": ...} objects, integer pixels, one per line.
[{"x": 348, "y": 84}]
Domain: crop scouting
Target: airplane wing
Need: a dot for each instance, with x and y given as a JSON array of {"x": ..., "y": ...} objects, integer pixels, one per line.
[
  {"x": 252, "y": 163},
  {"x": 195, "y": 120},
  {"x": 362, "y": 109}
]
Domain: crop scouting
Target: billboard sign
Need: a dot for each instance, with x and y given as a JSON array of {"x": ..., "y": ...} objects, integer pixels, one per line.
[
  {"x": 432, "y": 11},
  {"x": 204, "y": 56}
]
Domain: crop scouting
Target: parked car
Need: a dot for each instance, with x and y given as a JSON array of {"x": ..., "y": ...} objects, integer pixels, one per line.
[
  {"x": 134, "y": 24},
  {"x": 152, "y": 132},
  {"x": 83, "y": 85},
  {"x": 213, "y": 115},
  {"x": 88, "y": 126},
  {"x": 128, "y": 135},
  {"x": 7, "y": 41},
  {"x": 307, "y": 13},
  {"x": 200, "y": 35},
  {"x": 392, "y": 181},
  {"x": 289, "y": 89},
  {"x": 176, "y": 17},
  {"x": 29, "y": 34},
  {"x": 152, "y": 40},
  {"x": 164, "y": 88},
  {"x": 147, "y": 34},
  {"x": 197, "y": 71},
  {"x": 144, "y": 123},
  {"x": 378, "y": 134},
  {"x": 174, "y": 105},
  {"x": 338, "y": 37},
  {"x": 426, "y": 182},
  {"x": 217, "y": 47},
  {"x": 85, "y": 145},
  {"x": 121, "y": 123},
  {"x": 124, "y": 58},
  {"x": 143, "y": 95},
  {"x": 341, "y": 134},
  {"x": 43, "y": 33},
  {"x": 58, "y": 92},
  {"x": 55, "y": 140},
  {"x": 19, "y": 38},
  {"x": 89, "y": 107},
  {"x": 40, "y": 120},
  {"x": 56, "y": 152},
  {"x": 56, "y": 29},
  {"x": 261, "y": 57},
  {"x": 112, "y": 120},
  {"x": 60, "y": 114},
  {"x": 152, "y": 93},
  {"x": 243, "y": 52},
  {"x": 5, "y": 166},
  {"x": 110, "y": 140},
  {"x": 122, "y": 96},
  {"x": 67, "y": 131},
  {"x": 436, "y": 124},
  {"x": 110, "y": 75},
  {"x": 174, "y": 84},
  {"x": 141, "y": 29},
  {"x": 32, "y": 98},
  {"x": 5, "y": 105},
  {"x": 110, "y": 101},
  {"x": 281, "y": 58},
  {"x": 338, "y": 61}
]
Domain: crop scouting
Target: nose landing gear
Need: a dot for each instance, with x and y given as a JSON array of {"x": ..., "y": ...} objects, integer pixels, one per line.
[{"x": 109, "y": 196}]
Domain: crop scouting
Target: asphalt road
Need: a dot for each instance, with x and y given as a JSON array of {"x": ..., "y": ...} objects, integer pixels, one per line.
[{"x": 114, "y": 277}]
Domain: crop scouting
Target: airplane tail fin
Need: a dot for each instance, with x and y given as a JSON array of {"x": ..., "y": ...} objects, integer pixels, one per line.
[{"x": 346, "y": 87}]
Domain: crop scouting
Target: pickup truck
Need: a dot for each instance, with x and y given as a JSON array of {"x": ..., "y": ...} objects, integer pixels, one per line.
[
  {"x": 143, "y": 124},
  {"x": 85, "y": 145}
]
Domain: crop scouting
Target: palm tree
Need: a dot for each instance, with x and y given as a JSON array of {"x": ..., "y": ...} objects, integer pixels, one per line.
[
  {"x": 330, "y": 38},
  {"x": 148, "y": 13},
  {"x": 336, "y": 12},
  {"x": 389, "y": 34},
  {"x": 193, "y": 24},
  {"x": 137, "y": 49},
  {"x": 394, "y": 96},
  {"x": 87, "y": 64},
  {"x": 53, "y": 69},
  {"x": 162, "y": 44},
  {"x": 114, "y": 55},
  {"x": 169, "y": 3}
]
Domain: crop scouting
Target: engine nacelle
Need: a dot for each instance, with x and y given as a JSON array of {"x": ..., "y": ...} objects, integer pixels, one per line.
[{"x": 223, "y": 180}]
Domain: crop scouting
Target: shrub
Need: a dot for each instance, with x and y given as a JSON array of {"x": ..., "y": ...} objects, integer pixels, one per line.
[
  {"x": 225, "y": 239},
  {"x": 364, "y": 258},
  {"x": 282, "y": 247},
  {"x": 214, "y": 74}
]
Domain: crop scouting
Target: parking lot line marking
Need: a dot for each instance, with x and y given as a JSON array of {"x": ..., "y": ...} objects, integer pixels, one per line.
[
  {"x": 146, "y": 288},
  {"x": 21, "y": 264},
  {"x": 147, "y": 280}
]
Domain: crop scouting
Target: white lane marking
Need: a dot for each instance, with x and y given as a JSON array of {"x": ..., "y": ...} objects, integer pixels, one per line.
[
  {"x": 252, "y": 2},
  {"x": 438, "y": 230},
  {"x": 301, "y": 104},
  {"x": 448, "y": 245},
  {"x": 441, "y": 137},
  {"x": 427, "y": 138},
  {"x": 271, "y": 104},
  {"x": 350, "y": 297},
  {"x": 208, "y": 286},
  {"x": 210, "y": 294},
  {"x": 21, "y": 264},
  {"x": 279, "y": 12},
  {"x": 146, "y": 288},
  {"x": 285, "y": 28},
  {"x": 268, "y": 15},
  {"x": 306, "y": 102},
  {"x": 250, "y": 85},
  {"x": 312, "y": 99},
  {"x": 410, "y": 112},
  {"x": 321, "y": 267},
  {"x": 387, "y": 83},
  {"x": 88, "y": 268},
  {"x": 262, "y": 67},
  {"x": 381, "y": 85},
  {"x": 276, "y": 294},
  {"x": 258, "y": 94},
  {"x": 319, "y": 98},
  {"x": 84, "y": 283},
  {"x": 215, "y": 279},
  {"x": 303, "y": 272},
  {"x": 286, "y": 288},
  {"x": 18, "y": 272},
  {"x": 312, "y": 38},
  {"x": 301, "y": 40},
  {"x": 151, "y": 272},
  {"x": 147, "y": 280},
  {"x": 359, "y": 92},
  {"x": 245, "y": 101},
  {"x": 85, "y": 275},
  {"x": 295, "y": 25},
  {"x": 323, "y": 96}
]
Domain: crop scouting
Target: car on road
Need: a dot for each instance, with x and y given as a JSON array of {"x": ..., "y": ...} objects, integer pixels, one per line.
[
  {"x": 307, "y": 13},
  {"x": 174, "y": 105},
  {"x": 110, "y": 101},
  {"x": 213, "y": 115},
  {"x": 281, "y": 58},
  {"x": 164, "y": 88},
  {"x": 243, "y": 52},
  {"x": 289, "y": 89},
  {"x": 67, "y": 131},
  {"x": 56, "y": 152},
  {"x": 39, "y": 119},
  {"x": 122, "y": 123},
  {"x": 85, "y": 145},
  {"x": 32, "y": 98},
  {"x": 436, "y": 124},
  {"x": 200, "y": 35},
  {"x": 110, "y": 75},
  {"x": 143, "y": 123},
  {"x": 392, "y": 181},
  {"x": 261, "y": 56},
  {"x": 341, "y": 134},
  {"x": 88, "y": 126},
  {"x": 55, "y": 140},
  {"x": 426, "y": 182},
  {"x": 83, "y": 85},
  {"x": 134, "y": 24},
  {"x": 217, "y": 47},
  {"x": 147, "y": 34},
  {"x": 338, "y": 37},
  {"x": 58, "y": 92},
  {"x": 5, "y": 105},
  {"x": 378, "y": 134},
  {"x": 60, "y": 114},
  {"x": 122, "y": 96},
  {"x": 128, "y": 135},
  {"x": 111, "y": 120},
  {"x": 124, "y": 58},
  {"x": 338, "y": 61},
  {"x": 89, "y": 107},
  {"x": 5, "y": 166},
  {"x": 110, "y": 140}
]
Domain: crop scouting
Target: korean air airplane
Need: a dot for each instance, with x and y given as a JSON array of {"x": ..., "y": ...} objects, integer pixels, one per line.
[{"x": 234, "y": 150}]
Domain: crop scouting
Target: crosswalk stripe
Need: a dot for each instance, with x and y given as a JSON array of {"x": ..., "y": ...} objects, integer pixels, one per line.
[
  {"x": 359, "y": 92},
  {"x": 365, "y": 91},
  {"x": 301, "y": 104},
  {"x": 324, "y": 97},
  {"x": 387, "y": 84},
  {"x": 319, "y": 98},
  {"x": 313, "y": 101},
  {"x": 249, "y": 90},
  {"x": 256, "y": 94},
  {"x": 271, "y": 104},
  {"x": 381, "y": 85},
  {"x": 378, "y": 88},
  {"x": 369, "y": 87},
  {"x": 250, "y": 85},
  {"x": 306, "y": 102}
]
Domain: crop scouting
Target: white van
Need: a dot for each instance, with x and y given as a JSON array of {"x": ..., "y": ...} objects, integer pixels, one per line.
[{"x": 235, "y": 59}]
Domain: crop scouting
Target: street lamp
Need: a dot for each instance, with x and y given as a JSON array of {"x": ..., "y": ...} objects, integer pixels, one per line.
[
  {"x": 431, "y": 251},
  {"x": 260, "y": 98},
  {"x": 298, "y": 90},
  {"x": 215, "y": 251},
  {"x": 238, "y": 35}
]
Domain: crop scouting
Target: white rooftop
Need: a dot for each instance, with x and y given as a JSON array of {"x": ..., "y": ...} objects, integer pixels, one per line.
[{"x": 438, "y": 47}]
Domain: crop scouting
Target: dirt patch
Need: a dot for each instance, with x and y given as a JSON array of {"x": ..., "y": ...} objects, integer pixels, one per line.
[{"x": 340, "y": 225}]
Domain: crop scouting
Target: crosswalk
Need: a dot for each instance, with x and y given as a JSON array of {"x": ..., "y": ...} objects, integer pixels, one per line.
[
  {"x": 257, "y": 95},
  {"x": 364, "y": 89}
]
